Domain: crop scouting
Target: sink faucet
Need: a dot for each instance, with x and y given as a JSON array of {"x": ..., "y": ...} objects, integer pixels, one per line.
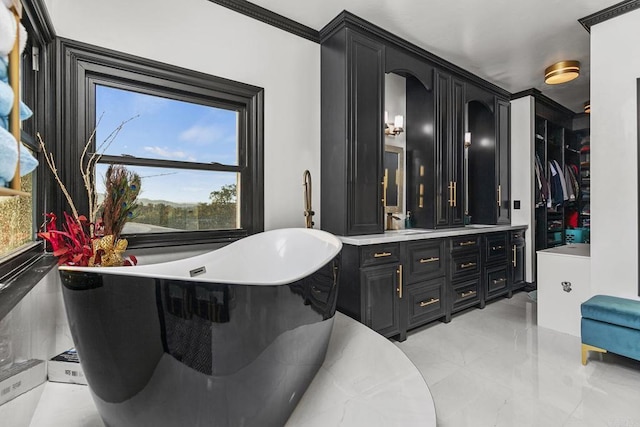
[{"x": 390, "y": 223}]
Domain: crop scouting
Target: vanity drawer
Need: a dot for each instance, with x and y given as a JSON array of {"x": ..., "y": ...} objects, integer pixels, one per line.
[
  {"x": 465, "y": 243},
  {"x": 496, "y": 248},
  {"x": 426, "y": 301},
  {"x": 425, "y": 259},
  {"x": 379, "y": 254},
  {"x": 465, "y": 294},
  {"x": 464, "y": 263},
  {"x": 496, "y": 281}
]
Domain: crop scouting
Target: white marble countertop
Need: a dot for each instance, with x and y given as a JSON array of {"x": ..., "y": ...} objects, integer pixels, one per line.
[
  {"x": 422, "y": 233},
  {"x": 365, "y": 380},
  {"x": 573, "y": 250}
]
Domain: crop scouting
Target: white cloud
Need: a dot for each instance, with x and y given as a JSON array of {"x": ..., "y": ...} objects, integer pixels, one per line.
[
  {"x": 168, "y": 154},
  {"x": 202, "y": 134}
]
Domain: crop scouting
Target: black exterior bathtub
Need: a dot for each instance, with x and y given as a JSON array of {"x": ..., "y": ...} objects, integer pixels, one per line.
[{"x": 175, "y": 350}]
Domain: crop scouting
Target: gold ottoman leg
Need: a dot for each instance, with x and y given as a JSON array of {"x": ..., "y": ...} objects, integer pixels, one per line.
[{"x": 586, "y": 348}]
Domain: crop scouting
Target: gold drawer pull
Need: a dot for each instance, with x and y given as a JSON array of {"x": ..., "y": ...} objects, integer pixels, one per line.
[
  {"x": 467, "y": 265},
  {"x": 496, "y": 281},
  {"x": 467, "y": 243},
  {"x": 431, "y": 301},
  {"x": 467, "y": 294},
  {"x": 515, "y": 260},
  {"x": 495, "y": 248},
  {"x": 381, "y": 254},
  {"x": 426, "y": 260}
]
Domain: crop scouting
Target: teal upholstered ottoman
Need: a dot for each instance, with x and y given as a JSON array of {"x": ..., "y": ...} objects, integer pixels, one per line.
[{"x": 610, "y": 324}]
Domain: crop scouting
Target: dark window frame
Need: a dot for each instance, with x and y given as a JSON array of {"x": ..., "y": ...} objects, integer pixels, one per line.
[{"x": 84, "y": 66}]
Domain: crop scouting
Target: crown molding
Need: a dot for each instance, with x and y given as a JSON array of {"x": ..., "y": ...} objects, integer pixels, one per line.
[
  {"x": 268, "y": 17},
  {"x": 348, "y": 20},
  {"x": 38, "y": 17},
  {"x": 544, "y": 100},
  {"x": 609, "y": 13}
]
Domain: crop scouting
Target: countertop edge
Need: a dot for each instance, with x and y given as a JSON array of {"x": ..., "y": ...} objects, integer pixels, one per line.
[{"x": 373, "y": 239}]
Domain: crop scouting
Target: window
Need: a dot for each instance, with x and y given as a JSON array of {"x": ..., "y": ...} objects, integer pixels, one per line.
[
  {"x": 18, "y": 221},
  {"x": 185, "y": 153},
  {"x": 195, "y": 140}
]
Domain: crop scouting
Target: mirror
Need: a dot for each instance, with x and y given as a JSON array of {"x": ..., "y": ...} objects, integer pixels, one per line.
[
  {"x": 395, "y": 111},
  {"x": 393, "y": 178}
]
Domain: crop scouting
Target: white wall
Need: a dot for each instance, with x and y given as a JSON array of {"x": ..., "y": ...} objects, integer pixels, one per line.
[
  {"x": 202, "y": 36},
  {"x": 615, "y": 68},
  {"x": 522, "y": 174}
]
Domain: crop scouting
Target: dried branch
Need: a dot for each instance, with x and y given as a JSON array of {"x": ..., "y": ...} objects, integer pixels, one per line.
[{"x": 52, "y": 165}]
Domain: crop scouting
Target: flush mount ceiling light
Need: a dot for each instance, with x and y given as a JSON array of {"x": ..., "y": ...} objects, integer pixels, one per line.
[
  {"x": 561, "y": 72},
  {"x": 587, "y": 107}
]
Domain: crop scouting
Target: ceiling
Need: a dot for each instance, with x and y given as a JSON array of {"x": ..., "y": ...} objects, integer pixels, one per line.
[{"x": 507, "y": 42}]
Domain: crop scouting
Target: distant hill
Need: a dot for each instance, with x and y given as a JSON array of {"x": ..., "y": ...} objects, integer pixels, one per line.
[{"x": 145, "y": 202}]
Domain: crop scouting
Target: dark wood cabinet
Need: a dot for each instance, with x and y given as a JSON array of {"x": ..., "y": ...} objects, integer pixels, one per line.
[
  {"x": 382, "y": 291},
  {"x": 503, "y": 160},
  {"x": 449, "y": 149},
  {"x": 352, "y": 80},
  {"x": 496, "y": 276},
  {"x": 517, "y": 262},
  {"x": 465, "y": 266}
]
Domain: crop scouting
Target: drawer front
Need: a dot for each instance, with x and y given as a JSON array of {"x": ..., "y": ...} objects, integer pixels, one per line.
[
  {"x": 466, "y": 243},
  {"x": 379, "y": 254},
  {"x": 517, "y": 235},
  {"x": 425, "y": 260},
  {"x": 463, "y": 264},
  {"x": 465, "y": 294},
  {"x": 426, "y": 301},
  {"x": 496, "y": 281},
  {"x": 496, "y": 248}
]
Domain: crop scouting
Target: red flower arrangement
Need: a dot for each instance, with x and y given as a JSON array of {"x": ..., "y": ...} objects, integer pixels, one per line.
[{"x": 82, "y": 242}]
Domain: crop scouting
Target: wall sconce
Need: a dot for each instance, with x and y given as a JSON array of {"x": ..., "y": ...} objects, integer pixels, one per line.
[
  {"x": 587, "y": 107},
  {"x": 561, "y": 72},
  {"x": 395, "y": 128}
]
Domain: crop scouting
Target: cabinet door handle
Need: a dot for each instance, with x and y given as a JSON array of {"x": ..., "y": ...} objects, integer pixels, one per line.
[
  {"x": 426, "y": 260},
  {"x": 467, "y": 294},
  {"x": 455, "y": 194},
  {"x": 496, "y": 281},
  {"x": 467, "y": 243},
  {"x": 399, "y": 289},
  {"x": 450, "y": 193},
  {"x": 381, "y": 254},
  {"x": 515, "y": 259},
  {"x": 421, "y": 202},
  {"x": 384, "y": 189},
  {"x": 467, "y": 265},
  {"x": 431, "y": 301},
  {"x": 495, "y": 248},
  {"x": 499, "y": 196}
]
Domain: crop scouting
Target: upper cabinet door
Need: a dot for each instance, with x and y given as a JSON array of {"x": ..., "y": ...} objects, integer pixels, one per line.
[
  {"x": 442, "y": 174},
  {"x": 365, "y": 81},
  {"x": 503, "y": 133},
  {"x": 456, "y": 152}
]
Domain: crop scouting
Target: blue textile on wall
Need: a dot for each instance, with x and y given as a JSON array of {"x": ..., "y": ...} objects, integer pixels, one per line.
[
  {"x": 8, "y": 156},
  {"x": 6, "y": 99}
]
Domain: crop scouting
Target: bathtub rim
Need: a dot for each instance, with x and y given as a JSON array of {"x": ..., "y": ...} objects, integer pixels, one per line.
[{"x": 148, "y": 271}]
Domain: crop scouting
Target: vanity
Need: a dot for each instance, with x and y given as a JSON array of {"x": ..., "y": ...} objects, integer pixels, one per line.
[
  {"x": 399, "y": 280},
  {"x": 444, "y": 158}
]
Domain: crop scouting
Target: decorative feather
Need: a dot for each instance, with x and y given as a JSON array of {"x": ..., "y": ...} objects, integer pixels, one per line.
[{"x": 122, "y": 189}]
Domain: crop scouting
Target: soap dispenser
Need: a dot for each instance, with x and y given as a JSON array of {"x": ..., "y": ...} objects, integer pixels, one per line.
[{"x": 408, "y": 220}]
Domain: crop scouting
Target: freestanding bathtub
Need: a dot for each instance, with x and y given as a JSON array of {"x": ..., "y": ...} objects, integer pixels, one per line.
[{"x": 232, "y": 337}]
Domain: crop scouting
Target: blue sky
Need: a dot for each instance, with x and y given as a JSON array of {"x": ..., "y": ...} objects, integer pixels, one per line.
[{"x": 171, "y": 130}]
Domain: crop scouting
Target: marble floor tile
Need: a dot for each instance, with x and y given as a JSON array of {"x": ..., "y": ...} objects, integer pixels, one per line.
[{"x": 496, "y": 367}]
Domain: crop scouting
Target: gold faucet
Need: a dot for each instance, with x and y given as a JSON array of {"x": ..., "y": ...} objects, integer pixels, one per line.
[{"x": 390, "y": 218}]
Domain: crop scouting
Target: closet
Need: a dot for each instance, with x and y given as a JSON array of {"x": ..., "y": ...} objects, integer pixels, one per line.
[{"x": 559, "y": 192}]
